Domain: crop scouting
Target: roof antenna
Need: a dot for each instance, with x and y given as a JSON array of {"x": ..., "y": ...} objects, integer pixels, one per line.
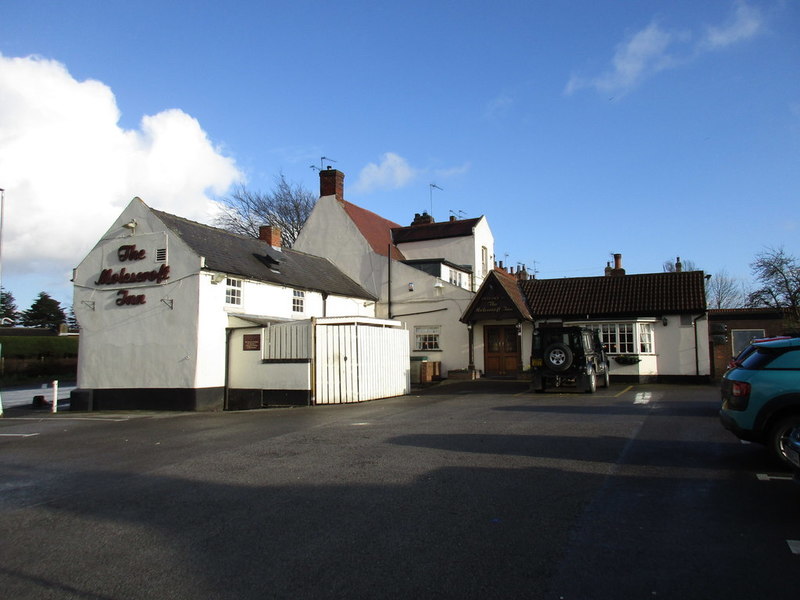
[
  {"x": 323, "y": 158},
  {"x": 458, "y": 214},
  {"x": 432, "y": 186}
]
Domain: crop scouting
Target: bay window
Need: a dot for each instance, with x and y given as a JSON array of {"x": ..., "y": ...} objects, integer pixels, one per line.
[{"x": 625, "y": 338}]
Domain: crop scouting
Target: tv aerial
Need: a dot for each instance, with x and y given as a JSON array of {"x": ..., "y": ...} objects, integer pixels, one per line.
[
  {"x": 433, "y": 186},
  {"x": 321, "y": 166}
]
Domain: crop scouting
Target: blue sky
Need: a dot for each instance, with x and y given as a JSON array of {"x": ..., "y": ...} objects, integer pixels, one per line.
[{"x": 579, "y": 128}]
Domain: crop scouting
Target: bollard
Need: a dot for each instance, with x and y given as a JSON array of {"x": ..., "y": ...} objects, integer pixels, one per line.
[{"x": 55, "y": 396}]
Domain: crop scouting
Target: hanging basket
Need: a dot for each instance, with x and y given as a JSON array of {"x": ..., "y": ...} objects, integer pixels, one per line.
[{"x": 627, "y": 359}]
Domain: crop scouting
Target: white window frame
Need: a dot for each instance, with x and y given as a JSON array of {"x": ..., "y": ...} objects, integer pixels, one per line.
[
  {"x": 645, "y": 338},
  {"x": 233, "y": 291},
  {"x": 298, "y": 301},
  {"x": 625, "y": 337},
  {"x": 427, "y": 338}
]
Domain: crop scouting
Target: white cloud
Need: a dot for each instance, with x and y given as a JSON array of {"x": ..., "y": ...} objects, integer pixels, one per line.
[
  {"x": 654, "y": 49},
  {"x": 453, "y": 171},
  {"x": 745, "y": 23},
  {"x": 642, "y": 55},
  {"x": 498, "y": 106},
  {"x": 393, "y": 172},
  {"x": 68, "y": 168}
]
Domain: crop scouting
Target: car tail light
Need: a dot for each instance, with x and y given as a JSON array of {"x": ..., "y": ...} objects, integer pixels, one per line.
[
  {"x": 741, "y": 388},
  {"x": 740, "y": 395}
]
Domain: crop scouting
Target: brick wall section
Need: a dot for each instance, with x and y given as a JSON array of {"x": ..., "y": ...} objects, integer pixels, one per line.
[
  {"x": 769, "y": 320},
  {"x": 270, "y": 234},
  {"x": 331, "y": 182}
]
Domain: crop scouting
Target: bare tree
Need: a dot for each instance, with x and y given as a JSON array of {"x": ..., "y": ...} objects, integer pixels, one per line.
[
  {"x": 778, "y": 273},
  {"x": 287, "y": 207},
  {"x": 670, "y": 266},
  {"x": 724, "y": 291}
]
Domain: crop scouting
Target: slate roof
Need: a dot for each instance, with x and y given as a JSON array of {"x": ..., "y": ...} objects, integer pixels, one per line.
[
  {"x": 649, "y": 294},
  {"x": 375, "y": 229},
  {"x": 255, "y": 259},
  {"x": 433, "y": 231}
]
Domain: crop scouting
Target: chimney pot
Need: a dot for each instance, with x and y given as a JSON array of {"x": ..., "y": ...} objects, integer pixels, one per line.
[{"x": 617, "y": 271}]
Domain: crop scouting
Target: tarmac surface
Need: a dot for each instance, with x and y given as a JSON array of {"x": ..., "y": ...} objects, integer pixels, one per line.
[{"x": 464, "y": 490}]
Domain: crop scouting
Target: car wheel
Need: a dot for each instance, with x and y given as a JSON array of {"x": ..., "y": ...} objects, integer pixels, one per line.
[
  {"x": 779, "y": 436},
  {"x": 591, "y": 382},
  {"x": 606, "y": 378},
  {"x": 558, "y": 357}
]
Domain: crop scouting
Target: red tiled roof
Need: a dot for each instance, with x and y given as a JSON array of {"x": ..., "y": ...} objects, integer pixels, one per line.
[
  {"x": 375, "y": 229},
  {"x": 649, "y": 294},
  {"x": 434, "y": 231}
]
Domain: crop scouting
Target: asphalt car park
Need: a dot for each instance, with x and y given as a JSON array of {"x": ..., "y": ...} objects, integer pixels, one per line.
[{"x": 458, "y": 491}]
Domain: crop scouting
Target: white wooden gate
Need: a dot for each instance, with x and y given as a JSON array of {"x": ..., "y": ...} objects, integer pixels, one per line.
[{"x": 358, "y": 361}]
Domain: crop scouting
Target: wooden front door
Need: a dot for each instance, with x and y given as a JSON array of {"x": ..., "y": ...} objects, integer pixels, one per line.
[{"x": 501, "y": 350}]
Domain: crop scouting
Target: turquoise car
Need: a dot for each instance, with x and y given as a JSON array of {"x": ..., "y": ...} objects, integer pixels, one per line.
[{"x": 761, "y": 396}]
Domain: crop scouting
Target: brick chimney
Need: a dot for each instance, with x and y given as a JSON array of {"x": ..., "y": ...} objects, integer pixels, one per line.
[
  {"x": 331, "y": 183},
  {"x": 270, "y": 234},
  {"x": 617, "y": 271},
  {"x": 422, "y": 219}
]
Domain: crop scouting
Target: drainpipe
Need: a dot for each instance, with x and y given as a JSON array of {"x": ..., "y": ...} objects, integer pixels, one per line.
[
  {"x": 470, "y": 327},
  {"x": 389, "y": 276},
  {"x": 696, "y": 346},
  {"x": 228, "y": 334}
]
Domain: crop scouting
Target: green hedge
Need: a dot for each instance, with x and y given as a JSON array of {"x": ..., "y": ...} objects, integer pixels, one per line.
[{"x": 40, "y": 346}]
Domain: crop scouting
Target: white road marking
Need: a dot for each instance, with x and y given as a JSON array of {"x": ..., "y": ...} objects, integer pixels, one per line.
[
  {"x": 768, "y": 477},
  {"x": 643, "y": 398},
  {"x": 794, "y": 546},
  {"x": 18, "y": 434},
  {"x": 59, "y": 419}
]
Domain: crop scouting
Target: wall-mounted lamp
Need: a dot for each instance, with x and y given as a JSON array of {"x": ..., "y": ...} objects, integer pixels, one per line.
[
  {"x": 131, "y": 225},
  {"x": 664, "y": 321},
  {"x": 217, "y": 277},
  {"x": 411, "y": 286}
]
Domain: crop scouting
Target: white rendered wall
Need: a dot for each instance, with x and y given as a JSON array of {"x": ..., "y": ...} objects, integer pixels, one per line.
[
  {"x": 675, "y": 347},
  {"x": 464, "y": 250},
  {"x": 248, "y": 371},
  {"x": 330, "y": 233},
  {"x": 148, "y": 345}
]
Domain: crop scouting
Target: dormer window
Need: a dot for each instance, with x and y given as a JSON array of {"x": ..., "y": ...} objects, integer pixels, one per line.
[{"x": 233, "y": 291}]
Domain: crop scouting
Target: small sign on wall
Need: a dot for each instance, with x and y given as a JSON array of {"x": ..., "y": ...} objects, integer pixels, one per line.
[{"x": 251, "y": 341}]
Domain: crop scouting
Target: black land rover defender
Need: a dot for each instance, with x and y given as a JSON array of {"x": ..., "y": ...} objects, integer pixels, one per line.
[{"x": 568, "y": 355}]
